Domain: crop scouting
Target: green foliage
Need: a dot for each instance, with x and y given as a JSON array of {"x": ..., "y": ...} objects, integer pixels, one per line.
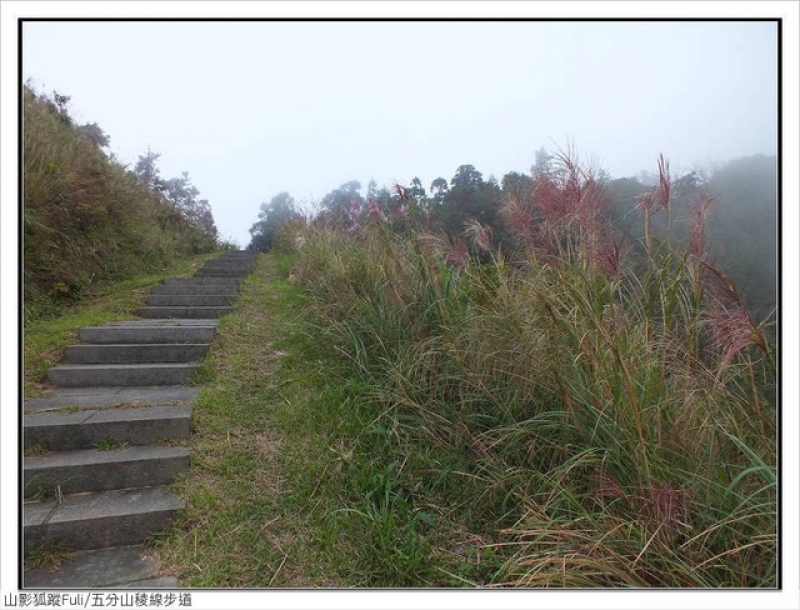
[
  {"x": 86, "y": 219},
  {"x": 335, "y": 206},
  {"x": 181, "y": 195},
  {"x": 469, "y": 197},
  {"x": 45, "y": 337},
  {"x": 608, "y": 422},
  {"x": 48, "y": 556},
  {"x": 279, "y": 211}
]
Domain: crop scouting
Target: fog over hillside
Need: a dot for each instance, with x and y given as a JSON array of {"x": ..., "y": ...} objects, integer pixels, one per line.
[{"x": 251, "y": 109}]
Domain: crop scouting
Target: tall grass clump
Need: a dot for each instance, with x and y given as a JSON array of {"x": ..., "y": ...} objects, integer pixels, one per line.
[
  {"x": 87, "y": 220},
  {"x": 609, "y": 407}
]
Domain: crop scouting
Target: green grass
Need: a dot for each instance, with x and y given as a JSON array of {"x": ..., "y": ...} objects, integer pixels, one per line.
[
  {"x": 389, "y": 422},
  {"x": 47, "y": 557},
  {"x": 37, "y": 449},
  {"x": 295, "y": 482},
  {"x": 45, "y": 339},
  {"x": 110, "y": 444},
  {"x": 592, "y": 424}
]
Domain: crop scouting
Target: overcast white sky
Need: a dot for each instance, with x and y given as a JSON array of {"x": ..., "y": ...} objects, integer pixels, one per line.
[{"x": 251, "y": 109}]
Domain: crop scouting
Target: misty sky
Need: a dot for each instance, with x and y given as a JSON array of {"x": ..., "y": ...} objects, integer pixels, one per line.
[{"x": 251, "y": 109}]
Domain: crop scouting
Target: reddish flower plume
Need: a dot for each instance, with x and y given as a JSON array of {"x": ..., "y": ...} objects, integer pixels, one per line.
[
  {"x": 480, "y": 235},
  {"x": 518, "y": 219},
  {"x": 733, "y": 330},
  {"x": 375, "y": 211},
  {"x": 609, "y": 487},
  {"x": 608, "y": 256},
  {"x": 456, "y": 254},
  {"x": 354, "y": 211},
  {"x": 668, "y": 505},
  {"x": 697, "y": 235}
]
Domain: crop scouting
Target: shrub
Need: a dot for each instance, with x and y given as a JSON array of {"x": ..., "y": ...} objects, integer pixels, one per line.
[
  {"x": 86, "y": 219},
  {"x": 617, "y": 426}
]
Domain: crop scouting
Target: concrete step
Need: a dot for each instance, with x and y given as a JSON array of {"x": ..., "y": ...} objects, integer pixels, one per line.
[
  {"x": 184, "y": 312},
  {"x": 235, "y": 256},
  {"x": 247, "y": 258},
  {"x": 202, "y": 281},
  {"x": 95, "y": 470},
  {"x": 94, "y": 375},
  {"x": 111, "y": 397},
  {"x": 59, "y": 431},
  {"x": 149, "y": 331},
  {"x": 250, "y": 253},
  {"x": 230, "y": 261},
  {"x": 116, "y": 567},
  {"x": 190, "y": 300},
  {"x": 222, "y": 262},
  {"x": 99, "y": 520},
  {"x": 160, "y": 323},
  {"x": 133, "y": 353},
  {"x": 195, "y": 289},
  {"x": 228, "y": 273}
]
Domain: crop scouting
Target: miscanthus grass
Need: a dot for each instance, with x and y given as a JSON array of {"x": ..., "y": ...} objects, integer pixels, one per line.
[
  {"x": 295, "y": 478},
  {"x": 588, "y": 412}
]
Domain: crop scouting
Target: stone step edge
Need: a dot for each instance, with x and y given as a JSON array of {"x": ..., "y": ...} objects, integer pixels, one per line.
[
  {"x": 190, "y": 300},
  {"x": 147, "y": 335},
  {"x": 134, "y": 353},
  {"x": 59, "y": 431},
  {"x": 98, "y": 520},
  {"x": 99, "y": 375},
  {"x": 94, "y": 469},
  {"x": 194, "y": 309}
]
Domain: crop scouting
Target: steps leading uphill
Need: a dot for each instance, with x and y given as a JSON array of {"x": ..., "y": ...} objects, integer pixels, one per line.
[{"x": 101, "y": 450}]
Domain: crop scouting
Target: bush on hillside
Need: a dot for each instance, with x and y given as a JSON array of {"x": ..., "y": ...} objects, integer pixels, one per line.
[
  {"x": 87, "y": 219},
  {"x": 606, "y": 425}
]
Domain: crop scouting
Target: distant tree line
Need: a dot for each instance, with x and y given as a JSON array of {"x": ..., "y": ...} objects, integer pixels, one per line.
[{"x": 740, "y": 232}]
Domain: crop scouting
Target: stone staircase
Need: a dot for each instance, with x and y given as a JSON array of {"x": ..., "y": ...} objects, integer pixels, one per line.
[{"x": 102, "y": 449}]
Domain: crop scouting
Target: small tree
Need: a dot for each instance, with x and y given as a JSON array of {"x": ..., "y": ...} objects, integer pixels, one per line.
[
  {"x": 147, "y": 170},
  {"x": 280, "y": 210},
  {"x": 337, "y": 205},
  {"x": 469, "y": 197}
]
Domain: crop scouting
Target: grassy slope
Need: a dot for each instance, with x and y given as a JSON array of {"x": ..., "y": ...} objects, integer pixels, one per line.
[
  {"x": 286, "y": 488},
  {"x": 87, "y": 219},
  {"x": 552, "y": 413},
  {"x": 300, "y": 478}
]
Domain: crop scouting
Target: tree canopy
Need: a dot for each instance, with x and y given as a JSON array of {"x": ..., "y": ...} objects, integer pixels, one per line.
[
  {"x": 278, "y": 211},
  {"x": 741, "y": 233}
]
